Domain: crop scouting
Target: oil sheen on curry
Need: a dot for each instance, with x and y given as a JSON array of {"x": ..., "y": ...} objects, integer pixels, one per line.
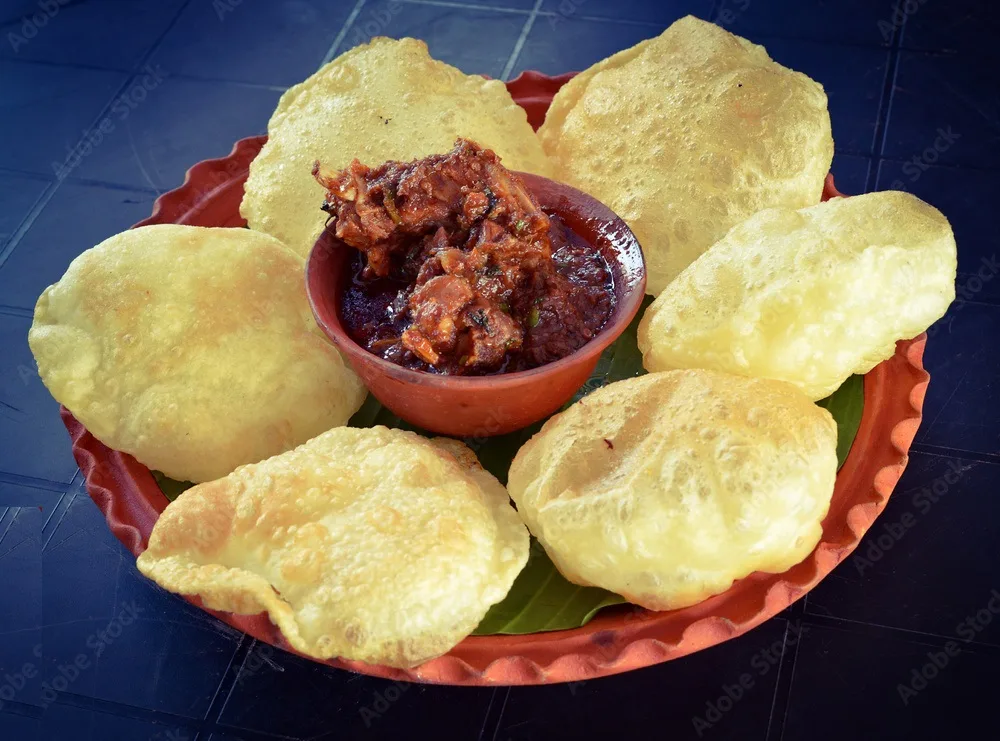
[{"x": 458, "y": 269}]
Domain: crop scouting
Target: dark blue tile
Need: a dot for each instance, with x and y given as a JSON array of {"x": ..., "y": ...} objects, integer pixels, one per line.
[
  {"x": 965, "y": 197},
  {"x": 278, "y": 693},
  {"x": 846, "y": 681},
  {"x": 272, "y": 43},
  {"x": 77, "y": 218},
  {"x": 23, "y": 495},
  {"x": 903, "y": 574},
  {"x": 957, "y": 25},
  {"x": 19, "y": 727},
  {"x": 21, "y": 616},
  {"x": 79, "y": 724},
  {"x": 17, "y": 195},
  {"x": 575, "y": 44},
  {"x": 45, "y": 111},
  {"x": 520, "y": 5},
  {"x": 102, "y": 33},
  {"x": 962, "y": 408},
  {"x": 847, "y": 21},
  {"x": 745, "y": 669},
  {"x": 939, "y": 97},
  {"x": 33, "y": 441},
  {"x": 850, "y": 173},
  {"x": 103, "y": 615},
  {"x": 177, "y": 124},
  {"x": 476, "y": 41},
  {"x": 854, "y": 79},
  {"x": 663, "y": 12}
]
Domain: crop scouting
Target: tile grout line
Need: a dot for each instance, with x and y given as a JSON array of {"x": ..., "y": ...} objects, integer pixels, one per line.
[
  {"x": 503, "y": 707},
  {"x": 221, "y": 80},
  {"x": 783, "y": 689},
  {"x": 885, "y": 110},
  {"x": 225, "y": 686},
  {"x": 936, "y": 165},
  {"x": 486, "y": 715},
  {"x": 52, "y": 512},
  {"x": 519, "y": 44},
  {"x": 24, "y": 709},
  {"x": 17, "y": 479},
  {"x": 64, "y": 505},
  {"x": 158, "y": 42},
  {"x": 26, "y": 174},
  {"x": 342, "y": 34},
  {"x": 467, "y": 6},
  {"x": 874, "y": 630},
  {"x": 6, "y": 523},
  {"x": 17, "y": 311},
  {"x": 29, "y": 218},
  {"x": 70, "y": 65},
  {"x": 123, "y": 710},
  {"x": 942, "y": 451},
  {"x": 162, "y": 717}
]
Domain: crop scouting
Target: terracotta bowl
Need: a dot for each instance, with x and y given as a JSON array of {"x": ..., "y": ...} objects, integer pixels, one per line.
[{"x": 481, "y": 406}]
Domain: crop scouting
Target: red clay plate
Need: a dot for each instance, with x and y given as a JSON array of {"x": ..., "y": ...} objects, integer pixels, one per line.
[{"x": 618, "y": 639}]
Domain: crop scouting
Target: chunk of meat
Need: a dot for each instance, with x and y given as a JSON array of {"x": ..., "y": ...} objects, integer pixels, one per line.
[
  {"x": 380, "y": 210},
  {"x": 449, "y": 319}
]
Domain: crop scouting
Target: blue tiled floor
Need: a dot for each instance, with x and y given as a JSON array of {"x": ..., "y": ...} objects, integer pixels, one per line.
[
  {"x": 123, "y": 36},
  {"x": 938, "y": 93},
  {"x": 914, "y": 106},
  {"x": 152, "y": 146},
  {"x": 250, "y": 42},
  {"x": 448, "y": 31},
  {"x": 95, "y": 211},
  {"x": 557, "y": 44},
  {"x": 47, "y": 108},
  {"x": 867, "y": 22}
]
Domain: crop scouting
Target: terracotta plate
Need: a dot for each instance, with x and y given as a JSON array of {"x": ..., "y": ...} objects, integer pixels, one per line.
[{"x": 618, "y": 639}]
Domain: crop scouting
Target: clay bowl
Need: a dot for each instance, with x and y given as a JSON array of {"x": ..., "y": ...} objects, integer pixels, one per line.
[{"x": 481, "y": 406}]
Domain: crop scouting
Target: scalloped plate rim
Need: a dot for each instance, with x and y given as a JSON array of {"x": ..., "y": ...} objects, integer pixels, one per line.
[{"x": 615, "y": 640}]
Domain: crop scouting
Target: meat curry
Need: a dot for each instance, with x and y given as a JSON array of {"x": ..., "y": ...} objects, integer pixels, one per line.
[{"x": 458, "y": 269}]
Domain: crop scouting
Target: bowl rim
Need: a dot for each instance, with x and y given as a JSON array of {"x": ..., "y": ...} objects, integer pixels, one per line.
[{"x": 624, "y": 311}]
